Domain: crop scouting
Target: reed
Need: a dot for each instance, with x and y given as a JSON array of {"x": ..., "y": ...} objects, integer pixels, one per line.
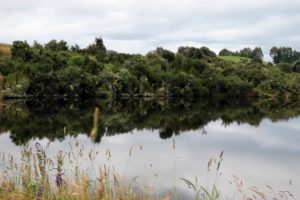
[{"x": 94, "y": 131}]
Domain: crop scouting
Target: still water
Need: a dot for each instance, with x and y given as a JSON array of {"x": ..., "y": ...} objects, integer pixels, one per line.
[{"x": 157, "y": 143}]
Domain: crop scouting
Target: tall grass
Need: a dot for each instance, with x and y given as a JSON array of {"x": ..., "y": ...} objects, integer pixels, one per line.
[{"x": 38, "y": 176}]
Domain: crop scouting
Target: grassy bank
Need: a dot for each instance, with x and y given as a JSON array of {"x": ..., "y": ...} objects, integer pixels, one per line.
[
  {"x": 238, "y": 59},
  {"x": 5, "y": 49},
  {"x": 41, "y": 177},
  {"x": 234, "y": 58}
]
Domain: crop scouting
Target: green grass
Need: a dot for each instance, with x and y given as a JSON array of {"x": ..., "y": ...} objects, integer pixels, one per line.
[
  {"x": 237, "y": 59},
  {"x": 233, "y": 58}
]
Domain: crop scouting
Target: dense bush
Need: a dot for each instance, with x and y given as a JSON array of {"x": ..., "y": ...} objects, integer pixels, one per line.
[{"x": 55, "y": 70}]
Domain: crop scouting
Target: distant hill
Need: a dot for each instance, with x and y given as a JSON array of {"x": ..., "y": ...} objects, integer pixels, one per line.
[
  {"x": 237, "y": 59},
  {"x": 234, "y": 58},
  {"x": 5, "y": 49}
]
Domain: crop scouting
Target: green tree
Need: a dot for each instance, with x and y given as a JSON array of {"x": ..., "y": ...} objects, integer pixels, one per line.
[
  {"x": 226, "y": 52},
  {"x": 257, "y": 54},
  {"x": 53, "y": 45},
  {"x": 97, "y": 46},
  {"x": 21, "y": 50},
  {"x": 196, "y": 53},
  {"x": 246, "y": 52},
  {"x": 284, "y": 55}
]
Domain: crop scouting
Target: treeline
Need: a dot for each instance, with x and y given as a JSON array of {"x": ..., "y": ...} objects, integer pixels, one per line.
[
  {"x": 279, "y": 54},
  {"x": 284, "y": 55},
  {"x": 55, "y": 69},
  {"x": 255, "y": 54}
]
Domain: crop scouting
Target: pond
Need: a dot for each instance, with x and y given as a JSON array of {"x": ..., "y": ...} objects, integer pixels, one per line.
[{"x": 161, "y": 143}]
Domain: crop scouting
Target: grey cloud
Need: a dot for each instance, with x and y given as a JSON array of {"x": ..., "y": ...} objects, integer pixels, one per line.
[{"x": 141, "y": 25}]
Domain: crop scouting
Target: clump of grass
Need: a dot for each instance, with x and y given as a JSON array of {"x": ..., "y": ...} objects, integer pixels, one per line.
[
  {"x": 202, "y": 193},
  {"x": 253, "y": 192},
  {"x": 39, "y": 177},
  {"x": 243, "y": 192}
]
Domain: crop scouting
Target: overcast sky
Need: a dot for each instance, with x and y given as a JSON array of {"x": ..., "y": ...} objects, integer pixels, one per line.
[{"x": 137, "y": 26}]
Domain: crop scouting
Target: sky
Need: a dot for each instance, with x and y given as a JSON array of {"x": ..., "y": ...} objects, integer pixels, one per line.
[{"x": 138, "y": 26}]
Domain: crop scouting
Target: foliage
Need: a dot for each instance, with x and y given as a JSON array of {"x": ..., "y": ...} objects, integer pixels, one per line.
[
  {"x": 55, "y": 70},
  {"x": 255, "y": 54},
  {"x": 196, "y": 53},
  {"x": 16, "y": 85},
  {"x": 53, "y": 45},
  {"x": 96, "y": 47},
  {"x": 284, "y": 55},
  {"x": 21, "y": 50}
]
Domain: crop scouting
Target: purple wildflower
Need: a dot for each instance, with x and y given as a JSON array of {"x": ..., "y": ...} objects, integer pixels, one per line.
[
  {"x": 59, "y": 179},
  {"x": 40, "y": 192}
]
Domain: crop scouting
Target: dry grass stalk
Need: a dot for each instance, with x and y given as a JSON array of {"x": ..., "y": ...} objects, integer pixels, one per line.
[{"x": 94, "y": 131}]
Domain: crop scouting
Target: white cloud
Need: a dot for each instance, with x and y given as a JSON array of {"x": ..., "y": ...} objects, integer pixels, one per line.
[{"x": 141, "y": 25}]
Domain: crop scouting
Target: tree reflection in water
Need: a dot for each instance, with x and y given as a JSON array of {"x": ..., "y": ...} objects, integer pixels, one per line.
[{"x": 54, "y": 119}]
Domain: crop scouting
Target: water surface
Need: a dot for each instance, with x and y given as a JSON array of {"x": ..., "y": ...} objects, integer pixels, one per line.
[{"x": 160, "y": 142}]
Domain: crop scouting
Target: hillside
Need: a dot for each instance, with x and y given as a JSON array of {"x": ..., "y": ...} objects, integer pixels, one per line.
[
  {"x": 238, "y": 59},
  {"x": 234, "y": 58},
  {"x": 5, "y": 49}
]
